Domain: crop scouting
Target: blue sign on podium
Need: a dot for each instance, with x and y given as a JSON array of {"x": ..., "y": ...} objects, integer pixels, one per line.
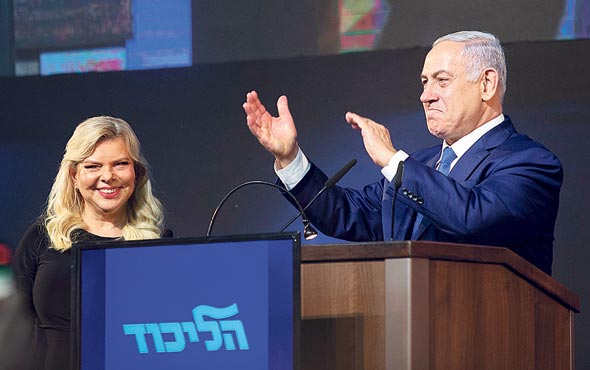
[{"x": 207, "y": 303}]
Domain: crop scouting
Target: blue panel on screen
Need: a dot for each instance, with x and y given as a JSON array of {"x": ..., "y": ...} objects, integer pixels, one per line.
[
  {"x": 177, "y": 304},
  {"x": 98, "y": 36},
  {"x": 79, "y": 61},
  {"x": 162, "y": 35}
]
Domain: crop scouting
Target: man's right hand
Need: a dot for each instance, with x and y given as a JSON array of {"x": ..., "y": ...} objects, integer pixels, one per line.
[{"x": 278, "y": 135}]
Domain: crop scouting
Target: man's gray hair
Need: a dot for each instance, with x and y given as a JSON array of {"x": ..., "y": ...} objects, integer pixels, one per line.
[{"x": 482, "y": 50}]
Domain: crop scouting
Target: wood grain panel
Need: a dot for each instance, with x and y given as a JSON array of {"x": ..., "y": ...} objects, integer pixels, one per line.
[
  {"x": 431, "y": 306},
  {"x": 553, "y": 339},
  {"x": 484, "y": 318},
  {"x": 344, "y": 291}
]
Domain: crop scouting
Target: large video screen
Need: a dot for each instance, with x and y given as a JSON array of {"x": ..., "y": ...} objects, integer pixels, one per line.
[
  {"x": 73, "y": 36},
  {"x": 67, "y": 36}
]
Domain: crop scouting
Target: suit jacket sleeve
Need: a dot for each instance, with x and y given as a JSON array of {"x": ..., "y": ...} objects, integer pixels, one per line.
[{"x": 342, "y": 213}]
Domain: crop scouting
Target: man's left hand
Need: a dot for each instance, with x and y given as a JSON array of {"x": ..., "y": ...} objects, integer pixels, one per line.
[{"x": 375, "y": 137}]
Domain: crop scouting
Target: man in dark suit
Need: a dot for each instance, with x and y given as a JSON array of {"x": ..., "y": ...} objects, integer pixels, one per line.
[{"x": 485, "y": 184}]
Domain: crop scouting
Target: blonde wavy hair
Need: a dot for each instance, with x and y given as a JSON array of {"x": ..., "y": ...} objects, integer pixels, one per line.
[{"x": 145, "y": 214}]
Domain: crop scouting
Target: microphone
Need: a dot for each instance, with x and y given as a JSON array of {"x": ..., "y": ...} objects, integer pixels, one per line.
[
  {"x": 308, "y": 231},
  {"x": 328, "y": 184},
  {"x": 338, "y": 175},
  {"x": 397, "y": 183}
]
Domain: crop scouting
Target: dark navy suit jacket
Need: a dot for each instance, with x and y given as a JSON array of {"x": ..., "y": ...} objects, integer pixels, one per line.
[{"x": 504, "y": 191}]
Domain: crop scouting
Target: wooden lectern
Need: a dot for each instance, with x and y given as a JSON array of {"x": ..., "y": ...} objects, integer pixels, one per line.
[{"x": 416, "y": 305}]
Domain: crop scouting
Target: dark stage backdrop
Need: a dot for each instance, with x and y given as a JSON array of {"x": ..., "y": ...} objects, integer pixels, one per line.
[{"x": 193, "y": 130}]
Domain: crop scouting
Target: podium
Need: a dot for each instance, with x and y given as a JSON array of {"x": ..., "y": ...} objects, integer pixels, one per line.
[
  {"x": 227, "y": 302},
  {"x": 427, "y": 305}
]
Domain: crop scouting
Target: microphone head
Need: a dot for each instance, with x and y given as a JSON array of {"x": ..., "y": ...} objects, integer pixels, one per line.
[
  {"x": 399, "y": 174},
  {"x": 338, "y": 175}
]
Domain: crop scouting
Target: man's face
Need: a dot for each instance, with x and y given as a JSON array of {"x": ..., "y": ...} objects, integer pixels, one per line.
[{"x": 452, "y": 105}]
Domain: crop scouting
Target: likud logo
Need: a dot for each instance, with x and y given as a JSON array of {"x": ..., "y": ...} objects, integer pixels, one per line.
[{"x": 220, "y": 328}]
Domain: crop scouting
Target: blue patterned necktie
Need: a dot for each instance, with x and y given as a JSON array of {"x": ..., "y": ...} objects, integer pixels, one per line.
[
  {"x": 444, "y": 167},
  {"x": 448, "y": 157}
]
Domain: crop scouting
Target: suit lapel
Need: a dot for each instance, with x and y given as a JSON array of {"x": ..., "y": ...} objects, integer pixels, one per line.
[
  {"x": 405, "y": 217},
  {"x": 469, "y": 161},
  {"x": 386, "y": 208},
  {"x": 462, "y": 170}
]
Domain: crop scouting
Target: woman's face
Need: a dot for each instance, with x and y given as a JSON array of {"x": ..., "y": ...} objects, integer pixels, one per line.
[{"x": 106, "y": 180}]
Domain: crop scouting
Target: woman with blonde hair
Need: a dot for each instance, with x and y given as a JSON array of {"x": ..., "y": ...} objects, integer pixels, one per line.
[{"x": 102, "y": 192}]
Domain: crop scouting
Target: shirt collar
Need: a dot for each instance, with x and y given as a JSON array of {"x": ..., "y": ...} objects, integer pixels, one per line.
[{"x": 462, "y": 145}]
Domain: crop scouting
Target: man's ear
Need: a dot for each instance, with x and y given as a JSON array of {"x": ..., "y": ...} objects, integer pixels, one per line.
[{"x": 489, "y": 84}]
